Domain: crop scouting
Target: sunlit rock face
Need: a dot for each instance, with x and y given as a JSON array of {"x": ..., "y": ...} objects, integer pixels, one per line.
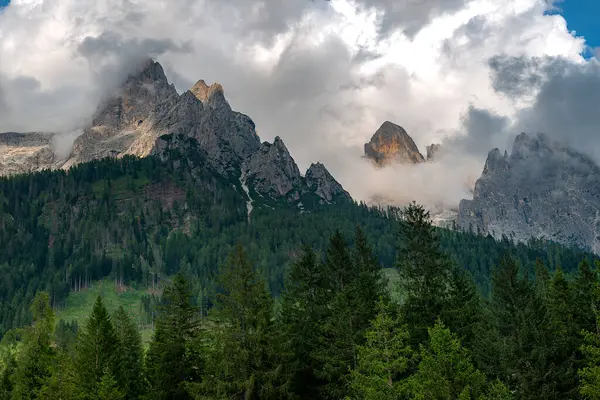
[
  {"x": 135, "y": 118},
  {"x": 542, "y": 189},
  {"x": 390, "y": 144}
]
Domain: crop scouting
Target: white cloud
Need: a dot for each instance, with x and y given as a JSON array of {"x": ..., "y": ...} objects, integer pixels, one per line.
[{"x": 322, "y": 75}]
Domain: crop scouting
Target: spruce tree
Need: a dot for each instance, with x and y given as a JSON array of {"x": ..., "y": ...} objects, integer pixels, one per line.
[
  {"x": 170, "y": 363},
  {"x": 382, "y": 359},
  {"x": 300, "y": 317},
  {"x": 97, "y": 351},
  {"x": 565, "y": 336},
  {"x": 130, "y": 355},
  {"x": 589, "y": 374},
  {"x": 243, "y": 362},
  {"x": 35, "y": 359},
  {"x": 445, "y": 370},
  {"x": 352, "y": 305},
  {"x": 424, "y": 272},
  {"x": 521, "y": 322}
]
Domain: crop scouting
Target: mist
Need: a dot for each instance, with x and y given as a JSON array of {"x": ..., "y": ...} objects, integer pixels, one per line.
[{"x": 322, "y": 75}]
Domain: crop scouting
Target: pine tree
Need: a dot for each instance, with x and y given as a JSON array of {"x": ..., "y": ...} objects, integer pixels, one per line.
[
  {"x": 382, "y": 359},
  {"x": 565, "y": 337},
  {"x": 300, "y": 318},
  {"x": 97, "y": 351},
  {"x": 521, "y": 321},
  {"x": 445, "y": 370},
  {"x": 243, "y": 362},
  {"x": 62, "y": 383},
  {"x": 463, "y": 310},
  {"x": 352, "y": 305},
  {"x": 589, "y": 374},
  {"x": 35, "y": 359},
  {"x": 130, "y": 355},
  {"x": 170, "y": 363},
  {"x": 424, "y": 272},
  {"x": 108, "y": 388}
]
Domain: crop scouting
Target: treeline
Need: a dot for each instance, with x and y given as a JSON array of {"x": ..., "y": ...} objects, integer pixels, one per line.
[
  {"x": 335, "y": 334},
  {"x": 140, "y": 221}
]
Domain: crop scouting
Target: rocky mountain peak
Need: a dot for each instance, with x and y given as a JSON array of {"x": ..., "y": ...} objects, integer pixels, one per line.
[
  {"x": 496, "y": 162},
  {"x": 543, "y": 189},
  {"x": 141, "y": 92},
  {"x": 320, "y": 181},
  {"x": 212, "y": 96},
  {"x": 392, "y": 143},
  {"x": 273, "y": 172}
]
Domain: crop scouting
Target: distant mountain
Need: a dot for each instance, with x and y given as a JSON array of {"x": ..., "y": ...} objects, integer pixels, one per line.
[
  {"x": 391, "y": 143},
  {"x": 542, "y": 189},
  {"x": 146, "y": 107}
]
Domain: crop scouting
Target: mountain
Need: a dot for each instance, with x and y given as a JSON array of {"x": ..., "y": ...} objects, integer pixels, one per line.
[
  {"x": 25, "y": 152},
  {"x": 391, "y": 143},
  {"x": 542, "y": 189},
  {"x": 146, "y": 107}
]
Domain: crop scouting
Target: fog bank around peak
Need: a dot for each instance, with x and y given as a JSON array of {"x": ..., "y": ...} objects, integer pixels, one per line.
[{"x": 322, "y": 75}]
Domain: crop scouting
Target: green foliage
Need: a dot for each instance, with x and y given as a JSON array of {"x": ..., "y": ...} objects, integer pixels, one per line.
[
  {"x": 97, "y": 352},
  {"x": 130, "y": 355},
  {"x": 445, "y": 370},
  {"x": 382, "y": 359},
  {"x": 243, "y": 360},
  {"x": 170, "y": 363},
  {"x": 35, "y": 358}
]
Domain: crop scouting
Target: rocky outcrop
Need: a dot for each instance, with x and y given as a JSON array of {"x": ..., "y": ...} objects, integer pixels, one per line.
[
  {"x": 542, "y": 189},
  {"x": 126, "y": 117},
  {"x": 391, "y": 143},
  {"x": 434, "y": 151},
  {"x": 321, "y": 182},
  {"x": 25, "y": 152},
  {"x": 272, "y": 172},
  {"x": 146, "y": 116}
]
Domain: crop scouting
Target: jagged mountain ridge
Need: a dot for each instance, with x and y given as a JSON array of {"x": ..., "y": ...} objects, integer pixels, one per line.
[
  {"x": 147, "y": 107},
  {"x": 542, "y": 189}
]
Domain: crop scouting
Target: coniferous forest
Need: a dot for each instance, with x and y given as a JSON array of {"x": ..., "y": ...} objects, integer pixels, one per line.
[
  {"x": 286, "y": 305},
  {"x": 335, "y": 333}
]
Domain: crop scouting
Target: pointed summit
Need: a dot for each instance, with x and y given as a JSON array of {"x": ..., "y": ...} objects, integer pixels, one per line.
[
  {"x": 323, "y": 184},
  {"x": 141, "y": 92},
  {"x": 212, "y": 96},
  {"x": 391, "y": 143},
  {"x": 273, "y": 172}
]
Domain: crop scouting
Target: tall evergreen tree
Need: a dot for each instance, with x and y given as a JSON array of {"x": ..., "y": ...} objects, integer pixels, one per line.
[
  {"x": 35, "y": 359},
  {"x": 352, "y": 305},
  {"x": 445, "y": 370},
  {"x": 97, "y": 351},
  {"x": 382, "y": 359},
  {"x": 589, "y": 374},
  {"x": 130, "y": 355},
  {"x": 300, "y": 318},
  {"x": 565, "y": 336},
  {"x": 424, "y": 272},
  {"x": 170, "y": 362},
  {"x": 243, "y": 362},
  {"x": 521, "y": 321}
]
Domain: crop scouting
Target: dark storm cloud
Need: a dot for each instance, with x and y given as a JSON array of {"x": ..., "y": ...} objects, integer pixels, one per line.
[
  {"x": 482, "y": 131},
  {"x": 567, "y": 105}
]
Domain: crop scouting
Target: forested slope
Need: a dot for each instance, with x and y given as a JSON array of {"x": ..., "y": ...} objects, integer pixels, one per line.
[{"x": 138, "y": 221}]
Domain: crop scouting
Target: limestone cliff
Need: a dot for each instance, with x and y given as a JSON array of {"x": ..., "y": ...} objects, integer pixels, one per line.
[{"x": 542, "y": 189}]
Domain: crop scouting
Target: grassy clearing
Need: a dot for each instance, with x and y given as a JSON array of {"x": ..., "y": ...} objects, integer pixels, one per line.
[{"x": 79, "y": 304}]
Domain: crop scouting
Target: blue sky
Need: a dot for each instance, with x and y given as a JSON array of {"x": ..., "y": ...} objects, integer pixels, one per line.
[
  {"x": 4, "y": 2},
  {"x": 582, "y": 16}
]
